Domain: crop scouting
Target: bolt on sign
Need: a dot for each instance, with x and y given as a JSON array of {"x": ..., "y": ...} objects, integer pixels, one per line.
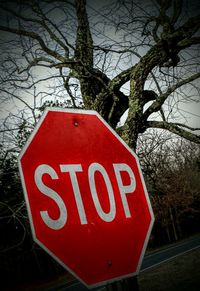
[{"x": 86, "y": 198}]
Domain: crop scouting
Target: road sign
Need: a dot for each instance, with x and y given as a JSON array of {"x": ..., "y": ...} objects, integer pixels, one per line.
[{"x": 85, "y": 194}]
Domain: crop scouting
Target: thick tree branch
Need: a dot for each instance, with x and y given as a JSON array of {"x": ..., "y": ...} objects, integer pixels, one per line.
[
  {"x": 188, "y": 42},
  {"x": 84, "y": 41},
  {"x": 177, "y": 9},
  {"x": 156, "y": 105},
  {"x": 186, "y": 31},
  {"x": 121, "y": 78},
  {"x": 176, "y": 129}
]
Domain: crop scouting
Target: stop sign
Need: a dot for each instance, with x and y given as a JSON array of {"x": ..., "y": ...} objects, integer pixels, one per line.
[{"x": 85, "y": 194}]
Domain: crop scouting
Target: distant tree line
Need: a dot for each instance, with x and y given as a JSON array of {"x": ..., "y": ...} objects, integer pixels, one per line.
[{"x": 172, "y": 172}]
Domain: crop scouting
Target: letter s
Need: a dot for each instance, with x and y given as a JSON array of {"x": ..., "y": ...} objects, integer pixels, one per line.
[{"x": 52, "y": 223}]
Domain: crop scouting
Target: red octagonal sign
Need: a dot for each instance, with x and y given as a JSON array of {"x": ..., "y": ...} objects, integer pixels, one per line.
[{"x": 86, "y": 198}]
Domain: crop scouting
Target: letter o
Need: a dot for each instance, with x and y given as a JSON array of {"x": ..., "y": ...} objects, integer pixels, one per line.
[{"x": 93, "y": 168}]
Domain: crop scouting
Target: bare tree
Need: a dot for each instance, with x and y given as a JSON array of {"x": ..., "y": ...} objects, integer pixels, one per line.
[{"x": 111, "y": 62}]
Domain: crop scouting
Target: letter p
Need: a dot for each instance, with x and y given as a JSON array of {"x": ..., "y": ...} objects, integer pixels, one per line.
[{"x": 125, "y": 189}]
